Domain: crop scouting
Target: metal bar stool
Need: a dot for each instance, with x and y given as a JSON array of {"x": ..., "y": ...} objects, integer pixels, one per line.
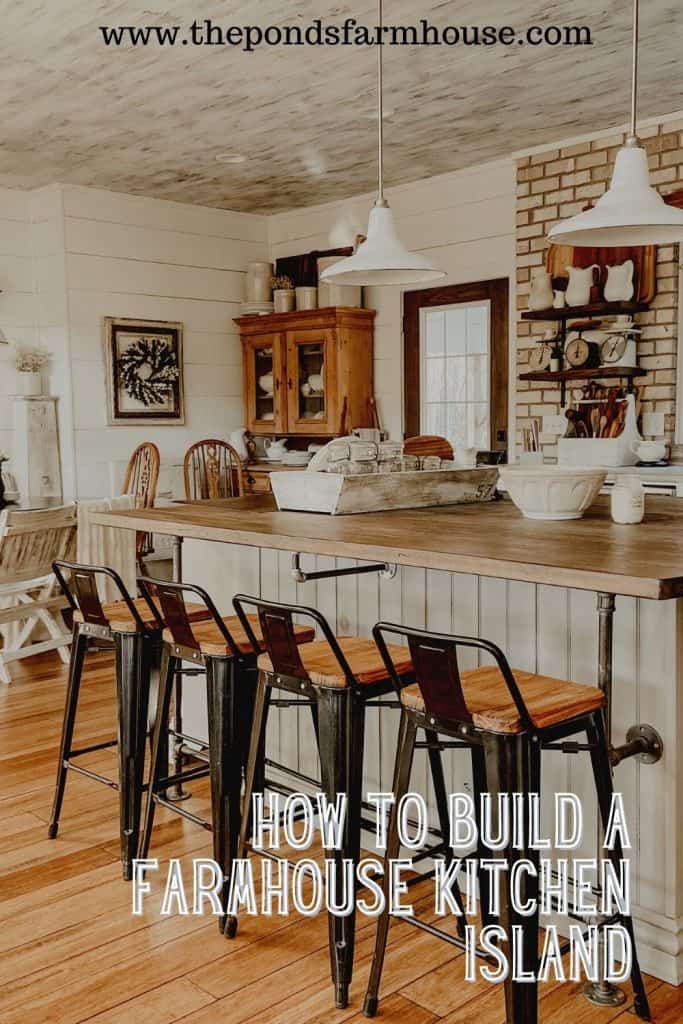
[
  {"x": 134, "y": 625},
  {"x": 340, "y": 677},
  {"x": 510, "y": 717},
  {"x": 223, "y": 650}
]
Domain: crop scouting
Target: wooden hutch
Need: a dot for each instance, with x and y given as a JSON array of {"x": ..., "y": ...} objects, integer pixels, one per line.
[{"x": 308, "y": 376}]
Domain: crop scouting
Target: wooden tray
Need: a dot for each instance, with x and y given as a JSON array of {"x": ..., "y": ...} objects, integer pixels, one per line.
[{"x": 336, "y": 495}]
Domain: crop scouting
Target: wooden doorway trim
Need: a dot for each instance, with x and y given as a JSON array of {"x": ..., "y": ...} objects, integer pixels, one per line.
[{"x": 497, "y": 291}]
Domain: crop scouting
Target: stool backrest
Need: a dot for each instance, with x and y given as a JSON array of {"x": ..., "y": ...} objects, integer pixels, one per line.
[
  {"x": 277, "y": 625},
  {"x": 80, "y": 590},
  {"x": 435, "y": 663},
  {"x": 170, "y": 597},
  {"x": 212, "y": 469}
]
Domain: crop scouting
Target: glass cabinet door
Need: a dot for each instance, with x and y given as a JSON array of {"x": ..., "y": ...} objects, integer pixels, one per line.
[
  {"x": 310, "y": 382},
  {"x": 263, "y": 383}
]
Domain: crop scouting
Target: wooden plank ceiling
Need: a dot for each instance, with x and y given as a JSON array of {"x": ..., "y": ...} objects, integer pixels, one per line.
[{"x": 150, "y": 121}]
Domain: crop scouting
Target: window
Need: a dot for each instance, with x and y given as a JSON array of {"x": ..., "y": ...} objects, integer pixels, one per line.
[
  {"x": 456, "y": 355},
  {"x": 455, "y": 373}
]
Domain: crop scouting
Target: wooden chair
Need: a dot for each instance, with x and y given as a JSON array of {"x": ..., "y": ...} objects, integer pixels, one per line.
[
  {"x": 428, "y": 444},
  {"x": 29, "y": 543},
  {"x": 142, "y": 476},
  {"x": 212, "y": 469}
]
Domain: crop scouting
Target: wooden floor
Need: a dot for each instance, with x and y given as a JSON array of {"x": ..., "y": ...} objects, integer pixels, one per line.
[{"x": 71, "y": 951}]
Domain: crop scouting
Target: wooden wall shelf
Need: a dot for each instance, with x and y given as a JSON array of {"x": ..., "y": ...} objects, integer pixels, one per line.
[
  {"x": 592, "y": 309},
  {"x": 605, "y": 372}
]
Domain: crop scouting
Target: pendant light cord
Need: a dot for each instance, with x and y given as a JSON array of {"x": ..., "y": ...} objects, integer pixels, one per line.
[
  {"x": 633, "y": 138},
  {"x": 380, "y": 201}
]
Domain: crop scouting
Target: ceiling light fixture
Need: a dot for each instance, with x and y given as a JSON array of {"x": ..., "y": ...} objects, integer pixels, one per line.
[
  {"x": 381, "y": 259},
  {"x": 631, "y": 212}
]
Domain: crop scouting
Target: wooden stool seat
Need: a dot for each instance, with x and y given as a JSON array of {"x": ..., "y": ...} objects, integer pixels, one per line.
[
  {"x": 121, "y": 621},
  {"x": 549, "y": 701},
  {"x": 363, "y": 657},
  {"x": 212, "y": 643}
]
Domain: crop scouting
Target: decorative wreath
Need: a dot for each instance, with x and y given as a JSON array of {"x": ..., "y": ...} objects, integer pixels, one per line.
[{"x": 148, "y": 369}]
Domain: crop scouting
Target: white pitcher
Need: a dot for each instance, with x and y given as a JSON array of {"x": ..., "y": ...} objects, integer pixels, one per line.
[
  {"x": 580, "y": 283},
  {"x": 619, "y": 283},
  {"x": 541, "y": 293},
  {"x": 275, "y": 450}
]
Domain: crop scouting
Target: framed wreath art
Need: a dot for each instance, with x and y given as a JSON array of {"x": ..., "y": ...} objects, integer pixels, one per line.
[{"x": 144, "y": 361}]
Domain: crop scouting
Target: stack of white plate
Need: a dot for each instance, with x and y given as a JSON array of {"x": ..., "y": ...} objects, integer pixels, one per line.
[
  {"x": 297, "y": 458},
  {"x": 256, "y": 308}
]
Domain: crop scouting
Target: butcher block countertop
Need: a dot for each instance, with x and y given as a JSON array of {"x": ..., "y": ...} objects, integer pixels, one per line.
[{"x": 489, "y": 539}]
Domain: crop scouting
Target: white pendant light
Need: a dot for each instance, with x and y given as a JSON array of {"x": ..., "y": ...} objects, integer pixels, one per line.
[
  {"x": 382, "y": 259},
  {"x": 631, "y": 212}
]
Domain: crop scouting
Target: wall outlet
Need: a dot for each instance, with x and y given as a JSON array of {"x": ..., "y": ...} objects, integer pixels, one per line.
[
  {"x": 555, "y": 425},
  {"x": 653, "y": 424}
]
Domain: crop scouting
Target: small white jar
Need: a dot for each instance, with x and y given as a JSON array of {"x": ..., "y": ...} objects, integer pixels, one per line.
[{"x": 628, "y": 500}]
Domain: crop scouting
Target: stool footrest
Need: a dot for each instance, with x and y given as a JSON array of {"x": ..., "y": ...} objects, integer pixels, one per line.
[
  {"x": 438, "y": 933},
  {"x": 194, "y": 818},
  {"x": 95, "y": 776},
  {"x": 570, "y": 747},
  {"x": 96, "y": 746},
  {"x": 172, "y": 780}
]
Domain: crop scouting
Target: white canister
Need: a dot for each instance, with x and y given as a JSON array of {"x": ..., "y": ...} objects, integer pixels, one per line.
[
  {"x": 283, "y": 300},
  {"x": 259, "y": 273},
  {"x": 29, "y": 383},
  {"x": 628, "y": 500},
  {"x": 306, "y": 297}
]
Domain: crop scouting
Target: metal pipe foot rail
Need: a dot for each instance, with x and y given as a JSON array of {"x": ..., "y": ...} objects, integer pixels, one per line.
[{"x": 383, "y": 568}]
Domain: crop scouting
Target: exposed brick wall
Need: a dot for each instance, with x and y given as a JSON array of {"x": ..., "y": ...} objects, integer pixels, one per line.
[{"x": 557, "y": 184}]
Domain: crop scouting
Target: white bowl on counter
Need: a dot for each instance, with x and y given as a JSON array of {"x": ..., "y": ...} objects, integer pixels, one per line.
[{"x": 553, "y": 492}]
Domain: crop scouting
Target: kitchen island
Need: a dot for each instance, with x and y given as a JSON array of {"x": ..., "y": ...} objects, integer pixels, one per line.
[{"x": 528, "y": 586}]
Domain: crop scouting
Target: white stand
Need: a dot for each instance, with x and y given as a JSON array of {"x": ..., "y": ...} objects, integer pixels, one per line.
[{"x": 35, "y": 447}]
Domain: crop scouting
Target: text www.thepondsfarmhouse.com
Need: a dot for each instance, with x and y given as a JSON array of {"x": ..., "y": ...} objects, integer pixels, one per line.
[{"x": 349, "y": 32}]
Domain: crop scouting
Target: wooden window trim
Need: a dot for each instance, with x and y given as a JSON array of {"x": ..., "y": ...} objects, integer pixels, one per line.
[{"x": 497, "y": 291}]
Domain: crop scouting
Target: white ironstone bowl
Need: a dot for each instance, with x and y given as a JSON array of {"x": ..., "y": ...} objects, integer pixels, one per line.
[{"x": 552, "y": 492}]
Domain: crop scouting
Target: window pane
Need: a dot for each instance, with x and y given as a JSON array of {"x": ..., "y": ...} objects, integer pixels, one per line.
[
  {"x": 434, "y": 329},
  {"x": 478, "y": 425},
  {"x": 435, "y": 384},
  {"x": 456, "y": 431},
  {"x": 456, "y": 332},
  {"x": 435, "y": 421},
  {"x": 477, "y": 329},
  {"x": 477, "y": 367},
  {"x": 456, "y": 379}
]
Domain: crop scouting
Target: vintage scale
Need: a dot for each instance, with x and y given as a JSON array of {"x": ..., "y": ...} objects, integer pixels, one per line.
[{"x": 620, "y": 348}]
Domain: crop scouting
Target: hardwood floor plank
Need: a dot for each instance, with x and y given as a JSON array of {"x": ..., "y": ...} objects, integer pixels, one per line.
[
  {"x": 72, "y": 952},
  {"x": 395, "y": 1010},
  {"x": 163, "y": 1005}
]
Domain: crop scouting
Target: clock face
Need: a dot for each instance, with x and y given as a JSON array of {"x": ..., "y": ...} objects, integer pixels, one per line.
[
  {"x": 577, "y": 352},
  {"x": 613, "y": 349}
]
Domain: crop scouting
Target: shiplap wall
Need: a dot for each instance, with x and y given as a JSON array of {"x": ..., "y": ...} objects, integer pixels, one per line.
[
  {"x": 465, "y": 221},
  {"x": 135, "y": 257},
  {"x": 17, "y": 306},
  {"x": 545, "y": 629}
]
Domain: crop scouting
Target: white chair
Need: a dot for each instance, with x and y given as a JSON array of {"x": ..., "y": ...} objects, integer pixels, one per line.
[{"x": 29, "y": 544}]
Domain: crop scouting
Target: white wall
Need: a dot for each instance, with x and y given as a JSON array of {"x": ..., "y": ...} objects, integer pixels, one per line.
[
  {"x": 135, "y": 257},
  {"x": 465, "y": 221},
  {"x": 70, "y": 256},
  {"x": 17, "y": 306}
]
